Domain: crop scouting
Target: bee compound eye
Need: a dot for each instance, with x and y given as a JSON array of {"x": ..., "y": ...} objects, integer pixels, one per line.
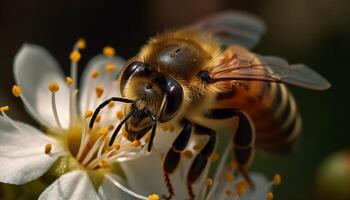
[
  {"x": 173, "y": 101},
  {"x": 128, "y": 71}
]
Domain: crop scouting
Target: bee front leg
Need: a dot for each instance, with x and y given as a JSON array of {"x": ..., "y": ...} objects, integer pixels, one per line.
[
  {"x": 201, "y": 160},
  {"x": 173, "y": 156},
  {"x": 243, "y": 140}
]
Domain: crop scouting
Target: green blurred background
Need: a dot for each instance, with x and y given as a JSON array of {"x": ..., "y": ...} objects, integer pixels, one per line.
[{"x": 316, "y": 33}]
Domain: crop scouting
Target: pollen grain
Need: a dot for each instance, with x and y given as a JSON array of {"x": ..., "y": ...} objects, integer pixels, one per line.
[
  {"x": 53, "y": 87},
  {"x": 48, "y": 148},
  {"x": 16, "y": 90},
  {"x": 108, "y": 51}
]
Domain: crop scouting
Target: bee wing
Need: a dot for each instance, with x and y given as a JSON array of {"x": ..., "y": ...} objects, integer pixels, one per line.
[
  {"x": 240, "y": 64},
  {"x": 232, "y": 27}
]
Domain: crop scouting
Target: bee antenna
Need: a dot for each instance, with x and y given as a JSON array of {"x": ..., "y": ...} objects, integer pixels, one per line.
[
  {"x": 105, "y": 103},
  {"x": 115, "y": 133},
  {"x": 153, "y": 132}
]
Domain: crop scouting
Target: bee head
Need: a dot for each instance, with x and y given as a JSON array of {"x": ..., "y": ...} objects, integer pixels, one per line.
[{"x": 154, "y": 92}]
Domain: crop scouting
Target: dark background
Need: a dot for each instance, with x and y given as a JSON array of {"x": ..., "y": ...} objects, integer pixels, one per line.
[{"x": 313, "y": 32}]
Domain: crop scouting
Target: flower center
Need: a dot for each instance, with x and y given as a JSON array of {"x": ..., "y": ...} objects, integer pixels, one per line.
[{"x": 90, "y": 147}]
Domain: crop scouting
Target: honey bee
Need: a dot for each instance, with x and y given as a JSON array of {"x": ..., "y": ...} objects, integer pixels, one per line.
[{"x": 207, "y": 70}]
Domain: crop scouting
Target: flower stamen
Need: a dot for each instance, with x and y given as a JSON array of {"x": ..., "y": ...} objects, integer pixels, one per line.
[
  {"x": 16, "y": 91},
  {"x": 108, "y": 51},
  {"x": 4, "y": 108},
  {"x": 53, "y": 87},
  {"x": 80, "y": 44},
  {"x": 277, "y": 179},
  {"x": 110, "y": 68},
  {"x": 153, "y": 197},
  {"x": 75, "y": 56},
  {"x": 125, "y": 189},
  {"x": 95, "y": 73},
  {"x": 88, "y": 114},
  {"x": 269, "y": 196},
  {"x": 119, "y": 114},
  {"x": 111, "y": 104},
  {"x": 208, "y": 182},
  {"x": 187, "y": 154},
  {"x": 93, "y": 150},
  {"x": 99, "y": 91},
  {"x": 69, "y": 81}
]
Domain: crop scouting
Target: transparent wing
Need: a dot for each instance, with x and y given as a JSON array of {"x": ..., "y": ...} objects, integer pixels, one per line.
[
  {"x": 232, "y": 27},
  {"x": 240, "y": 64}
]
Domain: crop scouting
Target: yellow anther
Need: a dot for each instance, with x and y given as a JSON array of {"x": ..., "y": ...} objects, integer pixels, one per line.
[
  {"x": 108, "y": 51},
  {"x": 99, "y": 91},
  {"x": 153, "y": 197},
  {"x": 277, "y": 179},
  {"x": 69, "y": 80},
  {"x": 197, "y": 147},
  {"x": 16, "y": 91},
  {"x": 269, "y": 196},
  {"x": 110, "y": 68},
  {"x": 214, "y": 157},
  {"x": 95, "y": 73},
  {"x": 88, "y": 114},
  {"x": 119, "y": 114},
  {"x": 111, "y": 104},
  {"x": 208, "y": 182},
  {"x": 135, "y": 143},
  {"x": 229, "y": 177},
  {"x": 98, "y": 118},
  {"x": 228, "y": 192},
  {"x": 48, "y": 148},
  {"x": 125, "y": 133},
  {"x": 241, "y": 188},
  {"x": 110, "y": 127},
  {"x": 103, "y": 164},
  {"x": 188, "y": 154},
  {"x": 75, "y": 56},
  {"x": 103, "y": 131},
  {"x": 4, "y": 108},
  {"x": 81, "y": 43},
  {"x": 53, "y": 87},
  {"x": 117, "y": 146}
]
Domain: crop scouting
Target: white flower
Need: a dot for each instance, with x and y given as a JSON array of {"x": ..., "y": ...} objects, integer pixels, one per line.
[
  {"x": 87, "y": 168},
  {"x": 216, "y": 183}
]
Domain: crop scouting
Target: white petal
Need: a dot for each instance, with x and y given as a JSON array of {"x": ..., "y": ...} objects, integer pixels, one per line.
[
  {"x": 75, "y": 185},
  {"x": 144, "y": 175},
  {"x": 22, "y": 156},
  {"x": 262, "y": 186},
  {"x": 109, "y": 190},
  {"x": 34, "y": 69},
  {"x": 88, "y": 100}
]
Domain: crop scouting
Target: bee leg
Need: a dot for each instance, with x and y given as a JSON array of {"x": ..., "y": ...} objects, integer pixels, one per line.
[
  {"x": 201, "y": 160},
  {"x": 243, "y": 141},
  {"x": 243, "y": 145},
  {"x": 105, "y": 103},
  {"x": 173, "y": 156}
]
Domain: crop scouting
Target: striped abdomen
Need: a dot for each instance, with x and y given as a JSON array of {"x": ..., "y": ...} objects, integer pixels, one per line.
[{"x": 273, "y": 111}]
